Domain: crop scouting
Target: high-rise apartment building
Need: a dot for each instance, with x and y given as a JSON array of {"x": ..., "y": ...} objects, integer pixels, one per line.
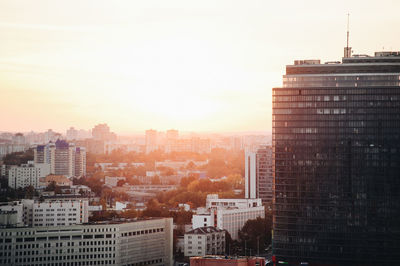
[
  {"x": 258, "y": 174},
  {"x": 64, "y": 158},
  {"x": 151, "y": 140},
  {"x": 102, "y": 132},
  {"x": 72, "y": 134},
  {"x": 172, "y": 134},
  {"x": 336, "y": 149}
]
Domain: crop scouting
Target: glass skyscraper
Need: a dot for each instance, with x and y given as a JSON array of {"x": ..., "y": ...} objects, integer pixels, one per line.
[{"x": 336, "y": 150}]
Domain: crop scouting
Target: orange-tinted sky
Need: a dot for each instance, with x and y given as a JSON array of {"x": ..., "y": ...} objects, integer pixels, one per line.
[{"x": 204, "y": 65}]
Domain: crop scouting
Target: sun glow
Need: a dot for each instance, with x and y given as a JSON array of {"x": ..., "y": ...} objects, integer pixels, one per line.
[{"x": 206, "y": 65}]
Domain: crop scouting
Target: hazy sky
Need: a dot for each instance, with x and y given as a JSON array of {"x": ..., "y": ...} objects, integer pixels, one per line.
[{"x": 191, "y": 65}]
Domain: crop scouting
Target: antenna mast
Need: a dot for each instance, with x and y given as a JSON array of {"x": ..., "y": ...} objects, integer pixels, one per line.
[
  {"x": 348, "y": 31},
  {"x": 347, "y": 49}
]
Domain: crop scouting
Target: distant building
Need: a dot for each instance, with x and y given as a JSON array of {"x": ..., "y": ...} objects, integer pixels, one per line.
[
  {"x": 197, "y": 145},
  {"x": 7, "y": 148},
  {"x": 27, "y": 175},
  {"x": 51, "y": 136},
  {"x": 225, "y": 260},
  {"x": 204, "y": 241},
  {"x": 18, "y": 139},
  {"x": 172, "y": 134},
  {"x": 102, "y": 132},
  {"x": 72, "y": 134},
  {"x": 64, "y": 158},
  {"x": 112, "y": 181},
  {"x": 142, "y": 242},
  {"x": 151, "y": 140},
  {"x": 258, "y": 174},
  {"x": 228, "y": 214},
  {"x": 92, "y": 145}
]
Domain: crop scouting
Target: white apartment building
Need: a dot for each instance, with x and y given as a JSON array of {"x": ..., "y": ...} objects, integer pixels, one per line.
[
  {"x": 50, "y": 212},
  {"x": 27, "y": 175},
  {"x": 112, "y": 181},
  {"x": 228, "y": 214},
  {"x": 60, "y": 213},
  {"x": 204, "y": 241},
  {"x": 145, "y": 242}
]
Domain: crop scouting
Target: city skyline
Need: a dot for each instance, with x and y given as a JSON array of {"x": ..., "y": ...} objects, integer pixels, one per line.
[{"x": 192, "y": 66}]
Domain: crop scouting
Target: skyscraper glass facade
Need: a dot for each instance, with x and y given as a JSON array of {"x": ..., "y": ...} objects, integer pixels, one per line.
[{"x": 336, "y": 151}]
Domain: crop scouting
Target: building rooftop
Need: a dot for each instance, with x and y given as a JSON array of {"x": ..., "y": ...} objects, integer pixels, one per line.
[
  {"x": 381, "y": 62},
  {"x": 204, "y": 230}
]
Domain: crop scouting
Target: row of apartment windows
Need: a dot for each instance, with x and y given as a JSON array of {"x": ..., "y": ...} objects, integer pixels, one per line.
[
  {"x": 142, "y": 232},
  {"x": 332, "y": 91},
  {"x": 148, "y": 262},
  {"x": 51, "y": 262}
]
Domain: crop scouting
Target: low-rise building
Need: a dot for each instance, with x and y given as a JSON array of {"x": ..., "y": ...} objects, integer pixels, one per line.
[
  {"x": 145, "y": 242},
  {"x": 112, "y": 181},
  {"x": 11, "y": 214},
  {"x": 224, "y": 260},
  {"x": 49, "y": 212},
  {"x": 59, "y": 180},
  {"x": 228, "y": 214},
  {"x": 204, "y": 241}
]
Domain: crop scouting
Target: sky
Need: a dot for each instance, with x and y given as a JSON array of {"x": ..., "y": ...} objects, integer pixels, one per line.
[{"x": 206, "y": 66}]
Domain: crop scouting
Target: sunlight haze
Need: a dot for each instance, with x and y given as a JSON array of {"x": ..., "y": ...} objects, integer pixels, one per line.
[{"x": 190, "y": 65}]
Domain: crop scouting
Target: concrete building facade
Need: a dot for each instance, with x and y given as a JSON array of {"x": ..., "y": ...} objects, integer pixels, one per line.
[
  {"x": 27, "y": 175},
  {"x": 228, "y": 214},
  {"x": 147, "y": 242}
]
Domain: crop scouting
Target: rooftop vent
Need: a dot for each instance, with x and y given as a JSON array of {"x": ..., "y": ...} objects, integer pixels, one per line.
[
  {"x": 307, "y": 62},
  {"x": 388, "y": 53}
]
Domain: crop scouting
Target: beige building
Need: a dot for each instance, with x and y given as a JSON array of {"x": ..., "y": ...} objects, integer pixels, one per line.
[
  {"x": 145, "y": 242},
  {"x": 59, "y": 180}
]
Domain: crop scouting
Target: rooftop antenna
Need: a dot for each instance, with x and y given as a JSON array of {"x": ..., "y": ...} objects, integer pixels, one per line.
[
  {"x": 347, "y": 49},
  {"x": 348, "y": 29}
]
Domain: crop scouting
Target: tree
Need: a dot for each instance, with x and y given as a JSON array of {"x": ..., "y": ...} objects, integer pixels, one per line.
[
  {"x": 52, "y": 186},
  {"x": 191, "y": 165},
  {"x": 185, "y": 181},
  {"x": 18, "y": 158},
  {"x": 120, "y": 183},
  {"x": 156, "y": 180},
  {"x": 256, "y": 234}
]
